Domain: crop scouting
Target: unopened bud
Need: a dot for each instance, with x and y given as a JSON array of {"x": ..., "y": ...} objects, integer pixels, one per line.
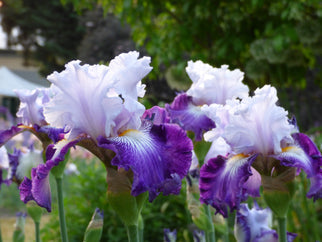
[{"x": 94, "y": 229}]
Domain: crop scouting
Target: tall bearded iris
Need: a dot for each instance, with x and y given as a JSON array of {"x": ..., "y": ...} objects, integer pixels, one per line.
[
  {"x": 265, "y": 149},
  {"x": 209, "y": 85},
  {"x": 98, "y": 107}
]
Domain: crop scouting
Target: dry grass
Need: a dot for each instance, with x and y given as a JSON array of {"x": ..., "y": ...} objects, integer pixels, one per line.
[{"x": 7, "y": 224}]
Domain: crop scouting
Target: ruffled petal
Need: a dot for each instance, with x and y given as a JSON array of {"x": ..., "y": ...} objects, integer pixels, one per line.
[
  {"x": 253, "y": 225},
  {"x": 189, "y": 116},
  {"x": 159, "y": 158},
  {"x": 31, "y": 106},
  {"x": 214, "y": 85},
  {"x": 223, "y": 181},
  {"x": 258, "y": 124},
  {"x": 108, "y": 93},
  {"x": 306, "y": 156}
]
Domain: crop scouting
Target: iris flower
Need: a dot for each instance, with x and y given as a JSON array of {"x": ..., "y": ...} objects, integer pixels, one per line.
[
  {"x": 209, "y": 85},
  {"x": 254, "y": 225},
  {"x": 31, "y": 118},
  {"x": 98, "y": 106},
  {"x": 264, "y": 144}
]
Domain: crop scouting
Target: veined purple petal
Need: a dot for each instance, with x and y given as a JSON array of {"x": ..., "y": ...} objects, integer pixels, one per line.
[
  {"x": 159, "y": 158},
  {"x": 305, "y": 155},
  {"x": 38, "y": 188},
  {"x": 189, "y": 116},
  {"x": 25, "y": 190},
  {"x": 223, "y": 182}
]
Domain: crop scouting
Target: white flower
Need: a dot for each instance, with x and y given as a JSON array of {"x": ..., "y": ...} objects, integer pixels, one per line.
[
  {"x": 98, "y": 100},
  {"x": 258, "y": 124},
  {"x": 31, "y": 106},
  {"x": 214, "y": 85}
]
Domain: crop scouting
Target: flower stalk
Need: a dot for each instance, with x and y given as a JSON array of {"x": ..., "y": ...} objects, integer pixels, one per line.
[
  {"x": 282, "y": 233},
  {"x": 37, "y": 231},
  {"x": 210, "y": 233},
  {"x": 132, "y": 233},
  {"x": 61, "y": 211}
]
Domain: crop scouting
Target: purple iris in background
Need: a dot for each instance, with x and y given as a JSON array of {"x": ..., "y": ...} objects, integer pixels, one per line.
[
  {"x": 263, "y": 145},
  {"x": 98, "y": 106},
  {"x": 254, "y": 225},
  {"x": 209, "y": 85},
  {"x": 31, "y": 118}
]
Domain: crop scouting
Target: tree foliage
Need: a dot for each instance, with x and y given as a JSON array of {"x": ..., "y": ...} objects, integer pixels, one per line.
[
  {"x": 46, "y": 28},
  {"x": 274, "y": 41},
  {"x": 105, "y": 38}
]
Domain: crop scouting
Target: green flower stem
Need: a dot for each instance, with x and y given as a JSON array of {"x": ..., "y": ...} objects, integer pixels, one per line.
[
  {"x": 132, "y": 233},
  {"x": 0, "y": 236},
  {"x": 62, "y": 219},
  {"x": 282, "y": 234},
  {"x": 37, "y": 231},
  {"x": 226, "y": 234},
  {"x": 210, "y": 234},
  {"x": 141, "y": 228}
]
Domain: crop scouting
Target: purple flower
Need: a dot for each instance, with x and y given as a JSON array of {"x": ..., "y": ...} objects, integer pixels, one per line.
[
  {"x": 32, "y": 118},
  {"x": 210, "y": 85},
  {"x": 254, "y": 225},
  {"x": 262, "y": 145},
  {"x": 99, "y": 107},
  {"x": 170, "y": 236}
]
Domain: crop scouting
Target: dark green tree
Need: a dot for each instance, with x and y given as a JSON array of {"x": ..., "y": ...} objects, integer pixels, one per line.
[
  {"x": 105, "y": 37},
  {"x": 274, "y": 42},
  {"x": 48, "y": 31}
]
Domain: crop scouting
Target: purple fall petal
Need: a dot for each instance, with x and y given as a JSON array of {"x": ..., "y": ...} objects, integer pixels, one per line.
[
  {"x": 38, "y": 188},
  {"x": 159, "y": 158},
  {"x": 305, "y": 155},
  {"x": 40, "y": 185},
  {"x": 189, "y": 116},
  {"x": 223, "y": 182},
  {"x": 7, "y": 134},
  {"x": 25, "y": 190}
]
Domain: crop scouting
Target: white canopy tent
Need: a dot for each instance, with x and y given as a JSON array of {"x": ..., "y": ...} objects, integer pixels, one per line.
[{"x": 9, "y": 81}]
